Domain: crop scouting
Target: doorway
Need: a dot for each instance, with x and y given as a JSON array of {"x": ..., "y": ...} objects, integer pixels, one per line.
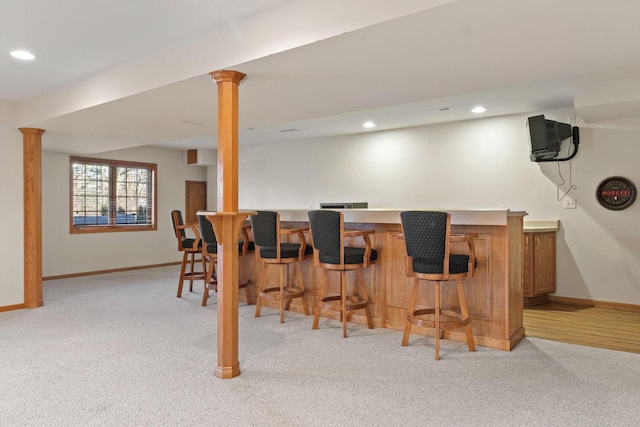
[{"x": 195, "y": 200}]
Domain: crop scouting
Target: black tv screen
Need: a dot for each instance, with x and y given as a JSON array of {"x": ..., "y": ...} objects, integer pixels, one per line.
[{"x": 546, "y": 137}]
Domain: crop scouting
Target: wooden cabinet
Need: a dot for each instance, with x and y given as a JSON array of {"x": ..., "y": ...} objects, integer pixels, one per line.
[{"x": 539, "y": 267}]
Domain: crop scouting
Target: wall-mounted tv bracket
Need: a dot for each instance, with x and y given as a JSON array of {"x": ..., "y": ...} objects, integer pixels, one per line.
[{"x": 575, "y": 139}]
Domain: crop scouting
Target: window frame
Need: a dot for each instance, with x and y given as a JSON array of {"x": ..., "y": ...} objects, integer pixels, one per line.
[{"x": 108, "y": 228}]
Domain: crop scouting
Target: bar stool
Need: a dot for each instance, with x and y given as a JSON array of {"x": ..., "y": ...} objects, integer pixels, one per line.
[
  {"x": 188, "y": 246},
  {"x": 210, "y": 257},
  {"x": 266, "y": 236},
  {"x": 330, "y": 253},
  {"x": 427, "y": 236}
]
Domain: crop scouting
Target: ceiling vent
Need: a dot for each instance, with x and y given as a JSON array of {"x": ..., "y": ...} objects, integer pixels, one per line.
[{"x": 186, "y": 122}]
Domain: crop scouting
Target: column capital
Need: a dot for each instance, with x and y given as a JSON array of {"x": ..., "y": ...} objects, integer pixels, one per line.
[
  {"x": 32, "y": 131},
  {"x": 227, "y": 76}
]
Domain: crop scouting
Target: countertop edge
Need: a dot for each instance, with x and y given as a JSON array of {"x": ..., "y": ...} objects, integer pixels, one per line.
[
  {"x": 392, "y": 216},
  {"x": 541, "y": 226}
]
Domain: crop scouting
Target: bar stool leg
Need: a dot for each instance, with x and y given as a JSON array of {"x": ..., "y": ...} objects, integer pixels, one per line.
[
  {"x": 282, "y": 277},
  {"x": 208, "y": 274},
  {"x": 183, "y": 268},
  {"x": 343, "y": 302},
  {"x": 364, "y": 295},
  {"x": 305, "y": 304},
  {"x": 410, "y": 310},
  {"x": 465, "y": 315},
  {"x": 321, "y": 289},
  {"x": 245, "y": 276},
  {"x": 193, "y": 262},
  {"x": 437, "y": 319},
  {"x": 261, "y": 281}
]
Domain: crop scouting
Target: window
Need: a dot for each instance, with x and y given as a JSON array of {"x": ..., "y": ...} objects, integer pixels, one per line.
[{"x": 111, "y": 195}]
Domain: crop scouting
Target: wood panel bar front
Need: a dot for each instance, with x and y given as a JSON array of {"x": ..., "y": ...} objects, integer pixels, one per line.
[{"x": 494, "y": 294}]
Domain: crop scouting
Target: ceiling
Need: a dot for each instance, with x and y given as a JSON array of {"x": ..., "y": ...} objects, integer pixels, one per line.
[{"x": 118, "y": 74}]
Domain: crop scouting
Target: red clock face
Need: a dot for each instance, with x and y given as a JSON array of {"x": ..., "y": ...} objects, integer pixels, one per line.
[{"x": 616, "y": 193}]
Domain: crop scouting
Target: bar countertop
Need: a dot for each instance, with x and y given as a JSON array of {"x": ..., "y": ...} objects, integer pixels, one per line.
[{"x": 392, "y": 216}]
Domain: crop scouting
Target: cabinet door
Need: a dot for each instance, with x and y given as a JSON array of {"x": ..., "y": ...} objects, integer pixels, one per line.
[
  {"x": 544, "y": 263},
  {"x": 527, "y": 266}
]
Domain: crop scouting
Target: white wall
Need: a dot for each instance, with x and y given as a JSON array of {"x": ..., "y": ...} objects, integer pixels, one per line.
[
  {"x": 65, "y": 253},
  {"x": 12, "y": 248},
  {"x": 481, "y": 163}
]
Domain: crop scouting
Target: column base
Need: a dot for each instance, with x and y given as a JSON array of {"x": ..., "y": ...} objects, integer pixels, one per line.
[
  {"x": 228, "y": 371},
  {"x": 34, "y": 304}
]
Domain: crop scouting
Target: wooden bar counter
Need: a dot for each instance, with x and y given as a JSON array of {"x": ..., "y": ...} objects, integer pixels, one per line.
[{"x": 494, "y": 294}]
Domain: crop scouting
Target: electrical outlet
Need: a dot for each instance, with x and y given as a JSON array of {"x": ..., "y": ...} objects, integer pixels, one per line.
[{"x": 569, "y": 203}]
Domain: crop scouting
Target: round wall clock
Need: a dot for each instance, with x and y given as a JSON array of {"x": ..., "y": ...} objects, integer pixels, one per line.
[{"x": 616, "y": 193}]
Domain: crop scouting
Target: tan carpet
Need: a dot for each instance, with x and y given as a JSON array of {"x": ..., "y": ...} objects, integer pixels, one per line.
[{"x": 121, "y": 350}]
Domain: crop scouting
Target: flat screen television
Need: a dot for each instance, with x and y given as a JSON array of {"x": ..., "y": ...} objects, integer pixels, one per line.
[{"x": 546, "y": 137}]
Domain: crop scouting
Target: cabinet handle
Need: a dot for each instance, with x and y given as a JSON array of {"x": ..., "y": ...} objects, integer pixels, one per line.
[
  {"x": 526, "y": 243},
  {"x": 537, "y": 243}
]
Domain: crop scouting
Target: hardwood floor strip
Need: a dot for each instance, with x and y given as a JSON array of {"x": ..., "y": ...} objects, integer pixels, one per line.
[
  {"x": 595, "y": 326},
  {"x": 593, "y": 303}
]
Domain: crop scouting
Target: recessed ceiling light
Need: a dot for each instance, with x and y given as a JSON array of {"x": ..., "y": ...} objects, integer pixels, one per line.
[
  {"x": 479, "y": 109},
  {"x": 22, "y": 54},
  {"x": 368, "y": 125}
]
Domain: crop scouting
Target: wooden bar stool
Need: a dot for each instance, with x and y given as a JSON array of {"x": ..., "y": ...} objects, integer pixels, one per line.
[
  {"x": 210, "y": 257},
  {"x": 330, "y": 253},
  {"x": 428, "y": 237},
  {"x": 266, "y": 236},
  {"x": 189, "y": 247}
]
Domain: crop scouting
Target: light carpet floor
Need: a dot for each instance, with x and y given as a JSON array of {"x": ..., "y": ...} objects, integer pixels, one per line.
[{"x": 121, "y": 350}]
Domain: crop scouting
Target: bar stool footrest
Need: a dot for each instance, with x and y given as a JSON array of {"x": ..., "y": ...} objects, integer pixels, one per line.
[
  {"x": 274, "y": 293},
  {"x": 354, "y": 303},
  {"x": 444, "y": 324},
  {"x": 196, "y": 275}
]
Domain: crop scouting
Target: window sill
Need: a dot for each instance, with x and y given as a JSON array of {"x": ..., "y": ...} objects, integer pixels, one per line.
[{"x": 84, "y": 229}]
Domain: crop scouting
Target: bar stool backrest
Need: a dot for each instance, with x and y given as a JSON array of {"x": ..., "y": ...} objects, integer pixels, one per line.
[
  {"x": 325, "y": 230},
  {"x": 264, "y": 227}
]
